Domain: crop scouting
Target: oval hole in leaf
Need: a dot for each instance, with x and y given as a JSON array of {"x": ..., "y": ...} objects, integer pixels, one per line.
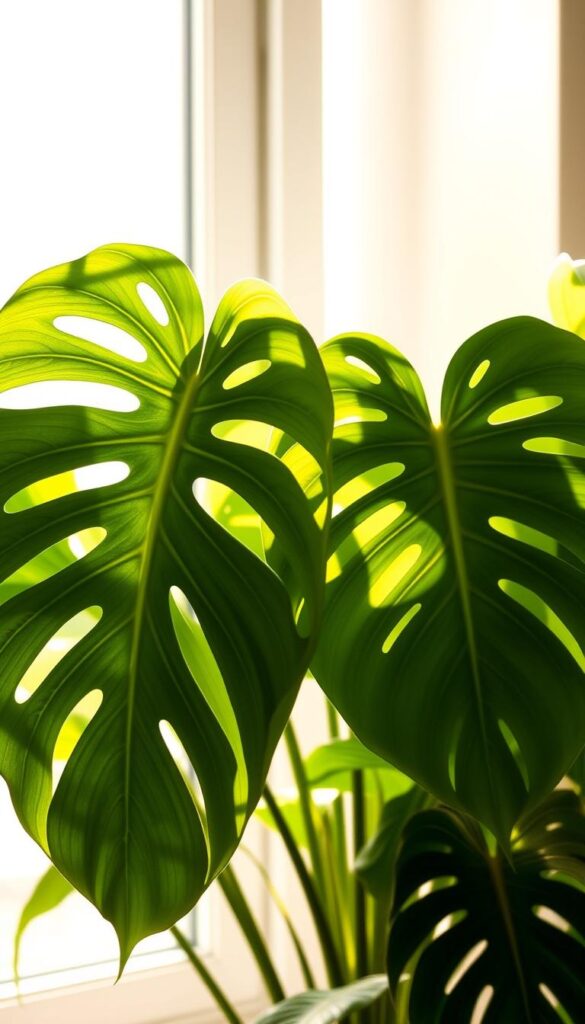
[
  {"x": 365, "y": 415},
  {"x": 253, "y": 433},
  {"x": 399, "y": 628},
  {"x": 524, "y": 409},
  {"x": 526, "y": 534},
  {"x": 304, "y": 467},
  {"x": 390, "y": 578},
  {"x": 202, "y": 665},
  {"x": 364, "y": 368},
  {"x": 479, "y": 373},
  {"x": 537, "y": 607},
  {"x": 45, "y": 395},
  {"x": 551, "y": 917},
  {"x": 188, "y": 774},
  {"x": 63, "y": 641},
  {"x": 51, "y": 560},
  {"x": 360, "y": 486},
  {"x": 153, "y": 303},
  {"x": 257, "y": 434},
  {"x": 290, "y": 452},
  {"x": 550, "y": 997},
  {"x": 515, "y": 750},
  {"x": 245, "y": 373},
  {"x": 104, "y": 334},
  {"x": 481, "y": 1007},
  {"x": 554, "y": 446},
  {"x": 303, "y": 626},
  {"x": 84, "y": 478},
  {"x": 234, "y": 514},
  {"x": 72, "y": 730}
]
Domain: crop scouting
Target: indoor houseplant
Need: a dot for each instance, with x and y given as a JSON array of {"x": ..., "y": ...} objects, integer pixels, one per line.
[{"x": 450, "y": 640}]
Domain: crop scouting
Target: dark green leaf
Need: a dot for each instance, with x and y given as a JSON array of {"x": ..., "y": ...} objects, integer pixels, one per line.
[
  {"x": 192, "y": 660},
  {"x": 514, "y": 928},
  {"x": 455, "y": 626},
  {"x": 374, "y": 863},
  {"x": 577, "y": 772},
  {"x": 324, "y": 1007}
]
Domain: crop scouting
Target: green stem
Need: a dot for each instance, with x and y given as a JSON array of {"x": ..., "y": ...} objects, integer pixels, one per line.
[
  {"x": 307, "y": 811},
  {"x": 330, "y": 955},
  {"x": 279, "y": 903},
  {"x": 233, "y": 893},
  {"x": 332, "y": 720},
  {"x": 339, "y": 918},
  {"x": 359, "y": 839},
  {"x": 208, "y": 980},
  {"x": 339, "y": 831}
]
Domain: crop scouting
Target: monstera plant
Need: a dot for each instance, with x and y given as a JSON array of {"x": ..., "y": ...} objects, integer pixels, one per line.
[
  {"x": 201, "y": 520},
  {"x": 188, "y": 630}
]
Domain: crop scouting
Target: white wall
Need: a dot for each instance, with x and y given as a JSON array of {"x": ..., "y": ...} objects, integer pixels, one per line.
[{"x": 440, "y": 128}]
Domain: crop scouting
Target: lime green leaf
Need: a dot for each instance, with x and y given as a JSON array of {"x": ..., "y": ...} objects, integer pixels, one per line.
[
  {"x": 48, "y": 893},
  {"x": 331, "y": 765},
  {"x": 566, "y": 293},
  {"x": 454, "y": 632},
  {"x": 338, "y": 755},
  {"x": 290, "y": 809},
  {"x": 195, "y": 652},
  {"x": 325, "y": 1006},
  {"x": 515, "y": 929}
]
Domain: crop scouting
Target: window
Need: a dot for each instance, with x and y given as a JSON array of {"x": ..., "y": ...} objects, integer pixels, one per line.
[
  {"x": 106, "y": 126},
  {"x": 357, "y": 155}
]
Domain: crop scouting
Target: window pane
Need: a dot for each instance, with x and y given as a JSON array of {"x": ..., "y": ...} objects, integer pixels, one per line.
[{"x": 92, "y": 122}]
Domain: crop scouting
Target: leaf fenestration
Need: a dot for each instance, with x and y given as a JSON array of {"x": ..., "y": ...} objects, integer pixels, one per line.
[
  {"x": 454, "y": 634},
  {"x": 197, "y": 653},
  {"x": 467, "y": 924}
]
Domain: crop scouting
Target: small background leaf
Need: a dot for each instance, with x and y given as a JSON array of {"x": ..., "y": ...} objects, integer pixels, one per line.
[
  {"x": 324, "y": 1007},
  {"x": 48, "y": 893}
]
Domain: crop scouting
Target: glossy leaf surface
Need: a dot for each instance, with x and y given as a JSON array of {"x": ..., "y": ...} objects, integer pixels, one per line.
[
  {"x": 192, "y": 656},
  {"x": 328, "y": 1005},
  {"x": 513, "y": 933},
  {"x": 455, "y": 622}
]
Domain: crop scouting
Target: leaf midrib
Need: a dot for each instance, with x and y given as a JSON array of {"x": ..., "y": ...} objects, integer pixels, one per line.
[
  {"x": 494, "y": 865},
  {"x": 160, "y": 493},
  {"x": 447, "y": 480}
]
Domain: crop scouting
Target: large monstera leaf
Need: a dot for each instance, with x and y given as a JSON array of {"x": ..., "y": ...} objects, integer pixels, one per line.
[
  {"x": 191, "y": 650},
  {"x": 455, "y": 611},
  {"x": 473, "y": 929}
]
